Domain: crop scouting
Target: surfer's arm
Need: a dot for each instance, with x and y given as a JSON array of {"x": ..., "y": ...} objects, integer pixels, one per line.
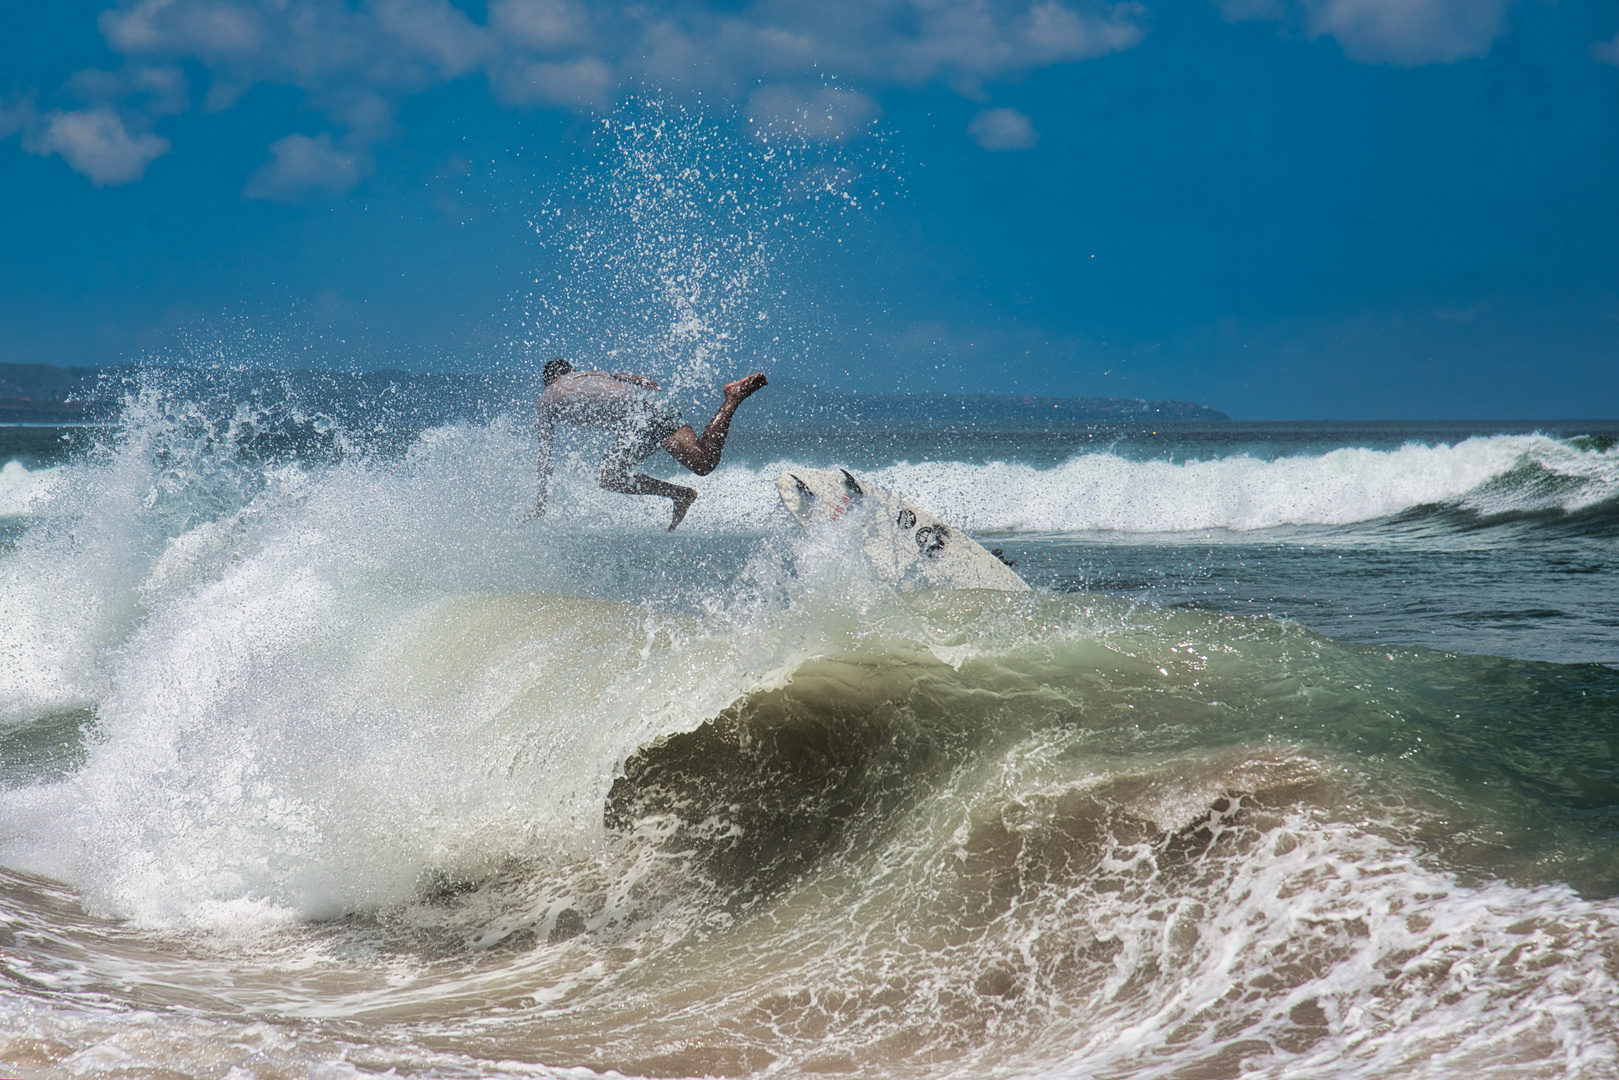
[
  {"x": 546, "y": 428},
  {"x": 626, "y": 377}
]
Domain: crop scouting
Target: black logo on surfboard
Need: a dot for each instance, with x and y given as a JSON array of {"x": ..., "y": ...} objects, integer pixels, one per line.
[{"x": 930, "y": 539}]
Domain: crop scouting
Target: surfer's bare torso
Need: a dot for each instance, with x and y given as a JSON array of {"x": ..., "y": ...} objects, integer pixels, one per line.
[{"x": 594, "y": 398}]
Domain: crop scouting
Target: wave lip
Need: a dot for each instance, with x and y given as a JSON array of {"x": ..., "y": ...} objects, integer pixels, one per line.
[{"x": 1551, "y": 477}]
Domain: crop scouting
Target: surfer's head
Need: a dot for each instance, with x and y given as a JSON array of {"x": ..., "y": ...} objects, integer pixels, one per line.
[{"x": 554, "y": 370}]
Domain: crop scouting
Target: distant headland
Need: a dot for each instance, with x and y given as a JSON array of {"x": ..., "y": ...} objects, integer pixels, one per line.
[{"x": 46, "y": 394}]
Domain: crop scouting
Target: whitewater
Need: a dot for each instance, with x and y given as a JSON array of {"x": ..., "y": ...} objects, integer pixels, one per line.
[
  {"x": 318, "y": 759},
  {"x": 1106, "y": 492}
]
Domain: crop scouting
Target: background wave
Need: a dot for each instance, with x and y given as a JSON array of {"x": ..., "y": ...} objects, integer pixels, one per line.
[{"x": 1489, "y": 479}]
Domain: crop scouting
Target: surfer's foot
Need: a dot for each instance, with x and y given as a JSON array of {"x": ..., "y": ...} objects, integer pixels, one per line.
[
  {"x": 739, "y": 390},
  {"x": 682, "y": 504}
]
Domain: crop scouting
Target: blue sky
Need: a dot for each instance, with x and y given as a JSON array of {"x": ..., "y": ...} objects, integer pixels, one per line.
[{"x": 1282, "y": 208}]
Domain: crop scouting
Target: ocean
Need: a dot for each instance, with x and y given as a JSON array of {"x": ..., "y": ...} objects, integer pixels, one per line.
[{"x": 318, "y": 760}]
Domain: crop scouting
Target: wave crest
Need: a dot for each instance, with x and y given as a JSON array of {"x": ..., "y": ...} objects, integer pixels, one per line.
[{"x": 1489, "y": 478}]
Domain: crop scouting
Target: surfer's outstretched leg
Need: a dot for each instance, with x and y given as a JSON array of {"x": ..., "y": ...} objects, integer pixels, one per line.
[
  {"x": 702, "y": 455},
  {"x": 615, "y": 478}
]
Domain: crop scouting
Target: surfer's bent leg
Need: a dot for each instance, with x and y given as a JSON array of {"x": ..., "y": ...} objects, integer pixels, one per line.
[
  {"x": 646, "y": 428},
  {"x": 615, "y": 477},
  {"x": 702, "y": 454}
]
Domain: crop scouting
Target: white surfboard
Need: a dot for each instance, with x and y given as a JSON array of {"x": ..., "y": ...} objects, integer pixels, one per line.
[{"x": 903, "y": 540}]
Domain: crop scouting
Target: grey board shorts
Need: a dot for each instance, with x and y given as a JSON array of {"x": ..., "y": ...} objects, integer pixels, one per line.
[{"x": 651, "y": 418}]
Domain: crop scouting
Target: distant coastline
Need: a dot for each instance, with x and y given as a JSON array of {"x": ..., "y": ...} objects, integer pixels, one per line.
[{"x": 46, "y": 394}]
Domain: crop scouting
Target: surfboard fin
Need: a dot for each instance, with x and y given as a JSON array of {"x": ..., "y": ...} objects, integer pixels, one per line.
[
  {"x": 850, "y": 484},
  {"x": 803, "y": 488}
]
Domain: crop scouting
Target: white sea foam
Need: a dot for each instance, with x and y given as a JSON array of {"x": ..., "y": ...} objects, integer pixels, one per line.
[
  {"x": 348, "y": 678},
  {"x": 1109, "y": 493},
  {"x": 301, "y": 697},
  {"x": 117, "y": 538},
  {"x": 322, "y": 690},
  {"x": 1325, "y": 952},
  {"x": 24, "y": 491}
]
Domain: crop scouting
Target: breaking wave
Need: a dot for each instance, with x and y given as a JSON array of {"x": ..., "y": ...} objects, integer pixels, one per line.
[
  {"x": 342, "y": 738},
  {"x": 1477, "y": 481}
]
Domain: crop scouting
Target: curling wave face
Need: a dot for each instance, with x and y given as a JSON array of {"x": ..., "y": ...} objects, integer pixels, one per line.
[
  {"x": 362, "y": 772},
  {"x": 1024, "y": 836}
]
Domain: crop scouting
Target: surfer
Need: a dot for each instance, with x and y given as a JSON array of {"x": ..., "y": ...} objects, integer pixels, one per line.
[{"x": 642, "y": 418}]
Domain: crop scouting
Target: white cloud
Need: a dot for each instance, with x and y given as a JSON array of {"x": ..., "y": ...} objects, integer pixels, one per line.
[
  {"x": 211, "y": 30},
  {"x": 97, "y": 140},
  {"x": 541, "y": 25},
  {"x": 585, "y": 83},
  {"x": 397, "y": 45},
  {"x": 355, "y": 62},
  {"x": 914, "y": 41},
  {"x": 19, "y": 114},
  {"x": 1054, "y": 33},
  {"x": 1407, "y": 33},
  {"x": 96, "y": 143},
  {"x": 826, "y": 114},
  {"x": 1003, "y": 129},
  {"x": 1606, "y": 51},
  {"x": 434, "y": 31},
  {"x": 160, "y": 91},
  {"x": 300, "y": 166}
]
